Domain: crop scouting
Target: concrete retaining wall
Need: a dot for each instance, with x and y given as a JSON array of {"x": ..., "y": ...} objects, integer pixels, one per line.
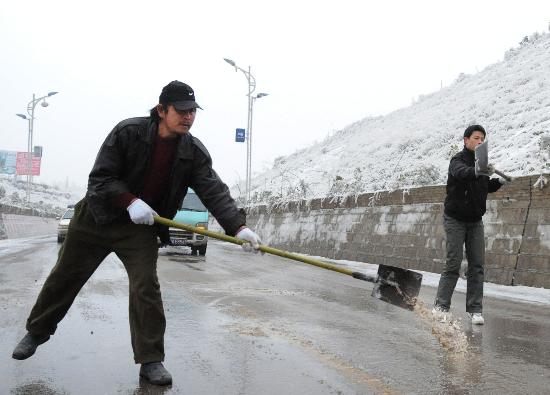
[
  {"x": 404, "y": 228},
  {"x": 16, "y": 222},
  {"x": 16, "y": 226}
]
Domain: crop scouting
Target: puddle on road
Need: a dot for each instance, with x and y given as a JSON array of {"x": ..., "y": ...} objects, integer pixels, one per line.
[
  {"x": 445, "y": 328},
  {"x": 37, "y": 386},
  {"x": 276, "y": 334}
]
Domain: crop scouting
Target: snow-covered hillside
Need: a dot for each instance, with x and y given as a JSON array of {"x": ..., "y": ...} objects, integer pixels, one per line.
[
  {"x": 46, "y": 199},
  {"x": 412, "y": 146}
]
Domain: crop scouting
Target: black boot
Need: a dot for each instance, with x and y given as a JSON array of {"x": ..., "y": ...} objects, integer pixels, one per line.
[
  {"x": 155, "y": 373},
  {"x": 27, "y": 346}
]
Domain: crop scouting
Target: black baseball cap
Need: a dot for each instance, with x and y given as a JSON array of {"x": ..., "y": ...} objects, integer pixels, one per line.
[{"x": 180, "y": 95}]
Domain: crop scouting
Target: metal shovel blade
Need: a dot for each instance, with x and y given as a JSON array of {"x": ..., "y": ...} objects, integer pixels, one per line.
[
  {"x": 482, "y": 162},
  {"x": 482, "y": 158},
  {"x": 397, "y": 286}
]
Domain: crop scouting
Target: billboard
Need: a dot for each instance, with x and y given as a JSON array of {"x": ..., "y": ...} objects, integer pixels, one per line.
[
  {"x": 22, "y": 164},
  {"x": 7, "y": 162}
]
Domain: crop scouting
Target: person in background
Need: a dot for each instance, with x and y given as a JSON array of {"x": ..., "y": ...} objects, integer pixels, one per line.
[
  {"x": 465, "y": 205},
  {"x": 144, "y": 167}
]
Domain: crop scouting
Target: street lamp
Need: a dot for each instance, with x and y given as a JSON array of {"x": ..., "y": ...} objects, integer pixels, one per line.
[
  {"x": 257, "y": 96},
  {"x": 30, "y": 110},
  {"x": 251, "y": 99}
]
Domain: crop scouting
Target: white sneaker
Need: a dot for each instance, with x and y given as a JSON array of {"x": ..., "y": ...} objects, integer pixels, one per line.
[{"x": 477, "y": 318}]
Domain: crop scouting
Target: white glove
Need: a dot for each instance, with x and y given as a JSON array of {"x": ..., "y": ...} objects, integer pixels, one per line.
[
  {"x": 141, "y": 213},
  {"x": 253, "y": 239},
  {"x": 486, "y": 172}
]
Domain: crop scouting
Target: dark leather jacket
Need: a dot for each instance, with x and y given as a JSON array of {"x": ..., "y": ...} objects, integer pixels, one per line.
[
  {"x": 466, "y": 193},
  {"x": 123, "y": 160}
]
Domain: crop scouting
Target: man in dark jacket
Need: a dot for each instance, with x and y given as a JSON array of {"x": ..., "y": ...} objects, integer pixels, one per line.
[
  {"x": 144, "y": 167},
  {"x": 465, "y": 205}
]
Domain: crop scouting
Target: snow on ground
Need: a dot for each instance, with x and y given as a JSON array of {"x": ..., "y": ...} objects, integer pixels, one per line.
[
  {"x": 517, "y": 293},
  {"x": 14, "y": 246},
  {"x": 412, "y": 146}
]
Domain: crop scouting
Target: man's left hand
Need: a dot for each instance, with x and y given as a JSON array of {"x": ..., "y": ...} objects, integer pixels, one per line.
[
  {"x": 504, "y": 181},
  {"x": 253, "y": 239}
]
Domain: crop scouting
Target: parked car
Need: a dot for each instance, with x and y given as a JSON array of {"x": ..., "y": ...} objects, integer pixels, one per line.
[
  {"x": 192, "y": 212},
  {"x": 63, "y": 225}
]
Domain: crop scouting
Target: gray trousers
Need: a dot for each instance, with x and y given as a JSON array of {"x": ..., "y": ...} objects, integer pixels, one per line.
[{"x": 458, "y": 234}]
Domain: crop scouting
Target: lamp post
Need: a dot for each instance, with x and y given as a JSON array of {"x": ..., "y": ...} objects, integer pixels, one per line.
[
  {"x": 248, "y": 136},
  {"x": 257, "y": 96},
  {"x": 30, "y": 110}
]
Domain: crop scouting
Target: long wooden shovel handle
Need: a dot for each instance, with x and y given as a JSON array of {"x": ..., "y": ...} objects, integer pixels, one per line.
[
  {"x": 264, "y": 248},
  {"x": 506, "y": 177}
]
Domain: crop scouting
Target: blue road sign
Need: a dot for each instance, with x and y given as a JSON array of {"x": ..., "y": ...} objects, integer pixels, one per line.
[{"x": 239, "y": 135}]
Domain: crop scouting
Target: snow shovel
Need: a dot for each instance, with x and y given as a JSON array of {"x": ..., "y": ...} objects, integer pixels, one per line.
[
  {"x": 482, "y": 161},
  {"x": 394, "y": 285}
]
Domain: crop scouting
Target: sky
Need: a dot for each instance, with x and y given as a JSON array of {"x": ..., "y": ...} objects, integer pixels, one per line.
[{"x": 324, "y": 65}]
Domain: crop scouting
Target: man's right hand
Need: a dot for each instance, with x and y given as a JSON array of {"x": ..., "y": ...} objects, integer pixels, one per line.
[
  {"x": 141, "y": 213},
  {"x": 484, "y": 172},
  {"x": 252, "y": 238}
]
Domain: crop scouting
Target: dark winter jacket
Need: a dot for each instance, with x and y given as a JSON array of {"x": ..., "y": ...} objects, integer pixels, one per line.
[
  {"x": 123, "y": 160},
  {"x": 466, "y": 193}
]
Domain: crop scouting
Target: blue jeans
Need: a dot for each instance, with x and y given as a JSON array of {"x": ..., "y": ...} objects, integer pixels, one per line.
[{"x": 471, "y": 235}]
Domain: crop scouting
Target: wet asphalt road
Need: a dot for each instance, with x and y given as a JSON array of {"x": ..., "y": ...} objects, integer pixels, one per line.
[{"x": 247, "y": 324}]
